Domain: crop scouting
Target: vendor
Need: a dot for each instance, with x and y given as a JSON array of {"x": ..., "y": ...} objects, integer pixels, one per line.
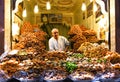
[{"x": 57, "y": 42}]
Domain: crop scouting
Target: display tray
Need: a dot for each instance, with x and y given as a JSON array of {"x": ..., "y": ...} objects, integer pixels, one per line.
[
  {"x": 61, "y": 67},
  {"x": 65, "y": 80},
  {"x": 23, "y": 80}
]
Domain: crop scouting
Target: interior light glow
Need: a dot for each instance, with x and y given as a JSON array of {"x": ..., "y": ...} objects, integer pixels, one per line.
[
  {"x": 83, "y": 6},
  {"x": 15, "y": 29},
  {"x": 24, "y": 13},
  {"x": 95, "y": 7},
  {"x": 91, "y": 0},
  {"x": 36, "y": 9},
  {"x": 48, "y": 6}
]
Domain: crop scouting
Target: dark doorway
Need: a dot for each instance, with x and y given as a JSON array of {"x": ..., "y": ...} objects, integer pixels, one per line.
[
  {"x": 117, "y": 19},
  {"x": 1, "y": 26}
]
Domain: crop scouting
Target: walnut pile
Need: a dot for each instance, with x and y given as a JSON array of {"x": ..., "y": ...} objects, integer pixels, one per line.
[{"x": 27, "y": 27}]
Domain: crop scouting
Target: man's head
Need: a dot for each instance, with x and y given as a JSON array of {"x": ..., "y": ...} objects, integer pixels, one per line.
[{"x": 55, "y": 33}]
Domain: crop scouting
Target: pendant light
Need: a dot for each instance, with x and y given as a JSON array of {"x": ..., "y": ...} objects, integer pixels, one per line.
[
  {"x": 83, "y": 8},
  {"x": 48, "y": 6},
  {"x": 24, "y": 14},
  {"x": 36, "y": 10}
]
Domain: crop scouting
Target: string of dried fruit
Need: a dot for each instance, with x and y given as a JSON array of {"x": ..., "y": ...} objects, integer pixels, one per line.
[
  {"x": 89, "y": 33},
  {"x": 76, "y": 38},
  {"x": 92, "y": 39},
  {"x": 27, "y": 27},
  {"x": 31, "y": 41},
  {"x": 80, "y": 34},
  {"x": 75, "y": 30}
]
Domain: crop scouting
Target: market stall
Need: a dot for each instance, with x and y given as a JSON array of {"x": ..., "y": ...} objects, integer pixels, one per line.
[
  {"x": 62, "y": 66},
  {"x": 89, "y": 61}
]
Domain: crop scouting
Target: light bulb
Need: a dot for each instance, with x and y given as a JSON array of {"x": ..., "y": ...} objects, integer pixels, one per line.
[
  {"x": 83, "y": 6},
  {"x": 48, "y": 7},
  {"x": 36, "y": 9}
]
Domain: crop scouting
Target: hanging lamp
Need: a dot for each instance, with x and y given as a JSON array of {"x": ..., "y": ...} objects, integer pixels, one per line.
[
  {"x": 36, "y": 9},
  {"x": 48, "y": 6},
  {"x": 83, "y": 8}
]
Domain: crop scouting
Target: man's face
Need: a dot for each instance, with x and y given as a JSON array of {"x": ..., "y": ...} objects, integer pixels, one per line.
[{"x": 55, "y": 34}]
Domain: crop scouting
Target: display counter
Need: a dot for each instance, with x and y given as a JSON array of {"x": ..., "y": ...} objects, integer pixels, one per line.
[
  {"x": 94, "y": 63},
  {"x": 65, "y": 80}
]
